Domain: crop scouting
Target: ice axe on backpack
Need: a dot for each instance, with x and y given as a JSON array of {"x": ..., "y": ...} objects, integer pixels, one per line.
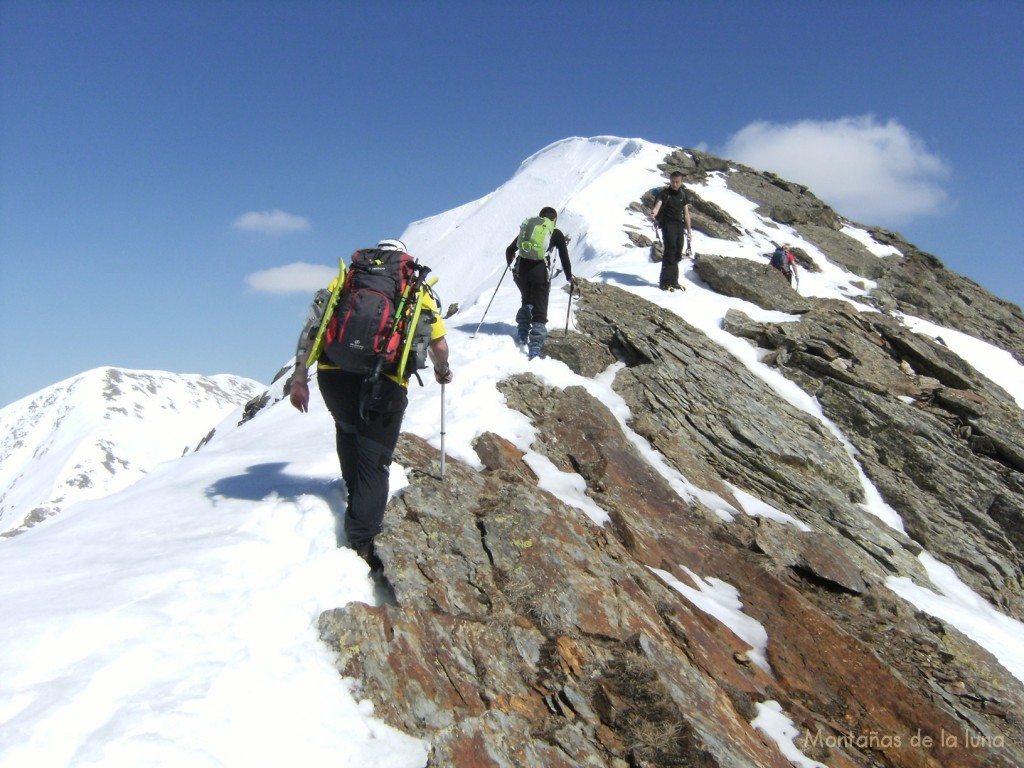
[{"x": 371, "y": 383}]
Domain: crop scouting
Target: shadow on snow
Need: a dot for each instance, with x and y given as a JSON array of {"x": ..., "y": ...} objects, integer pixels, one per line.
[
  {"x": 491, "y": 329},
  {"x": 262, "y": 481}
]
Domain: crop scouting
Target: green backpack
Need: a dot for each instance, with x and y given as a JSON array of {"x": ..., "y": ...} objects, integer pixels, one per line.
[{"x": 535, "y": 238}]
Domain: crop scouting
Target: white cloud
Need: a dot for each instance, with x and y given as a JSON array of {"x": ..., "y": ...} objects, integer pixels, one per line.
[
  {"x": 273, "y": 222},
  {"x": 878, "y": 173},
  {"x": 291, "y": 278}
]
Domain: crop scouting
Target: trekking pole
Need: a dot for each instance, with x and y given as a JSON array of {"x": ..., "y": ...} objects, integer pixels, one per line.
[
  {"x": 568, "y": 309},
  {"x": 491, "y": 301},
  {"x": 442, "y": 431}
]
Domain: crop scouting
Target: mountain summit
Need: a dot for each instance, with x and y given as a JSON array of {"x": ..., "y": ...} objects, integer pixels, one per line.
[{"x": 739, "y": 525}]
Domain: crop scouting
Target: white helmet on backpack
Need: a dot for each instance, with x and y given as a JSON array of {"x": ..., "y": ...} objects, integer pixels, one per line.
[{"x": 392, "y": 245}]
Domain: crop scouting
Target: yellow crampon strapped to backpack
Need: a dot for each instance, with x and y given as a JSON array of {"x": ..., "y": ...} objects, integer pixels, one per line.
[{"x": 326, "y": 311}]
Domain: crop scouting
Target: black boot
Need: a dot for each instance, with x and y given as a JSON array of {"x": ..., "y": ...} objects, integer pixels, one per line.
[{"x": 368, "y": 554}]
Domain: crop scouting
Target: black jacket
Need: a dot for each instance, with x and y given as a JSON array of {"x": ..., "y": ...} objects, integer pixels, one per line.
[{"x": 673, "y": 203}]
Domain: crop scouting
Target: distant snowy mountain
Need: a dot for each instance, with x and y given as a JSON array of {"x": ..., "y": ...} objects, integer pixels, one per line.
[
  {"x": 203, "y": 647},
  {"x": 101, "y": 431}
]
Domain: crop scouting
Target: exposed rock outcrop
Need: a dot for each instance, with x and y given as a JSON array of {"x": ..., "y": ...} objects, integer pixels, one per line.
[
  {"x": 524, "y": 634},
  {"x": 745, "y": 279},
  {"x": 916, "y": 282},
  {"x": 941, "y": 442}
]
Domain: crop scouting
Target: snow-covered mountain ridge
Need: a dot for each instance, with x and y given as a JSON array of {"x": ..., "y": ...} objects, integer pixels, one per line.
[
  {"x": 694, "y": 542},
  {"x": 99, "y": 432}
]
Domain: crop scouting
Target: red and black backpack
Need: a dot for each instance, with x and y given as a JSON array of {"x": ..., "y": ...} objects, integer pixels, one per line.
[{"x": 363, "y": 334}]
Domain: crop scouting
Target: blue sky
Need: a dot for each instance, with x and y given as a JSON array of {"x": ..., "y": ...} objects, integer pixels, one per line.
[{"x": 146, "y": 146}]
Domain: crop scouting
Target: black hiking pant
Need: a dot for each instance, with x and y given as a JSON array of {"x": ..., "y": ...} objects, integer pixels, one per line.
[
  {"x": 365, "y": 447},
  {"x": 534, "y": 287},
  {"x": 672, "y": 232}
]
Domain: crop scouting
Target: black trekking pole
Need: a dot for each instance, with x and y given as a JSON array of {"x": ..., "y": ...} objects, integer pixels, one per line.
[
  {"x": 568, "y": 310},
  {"x": 491, "y": 301}
]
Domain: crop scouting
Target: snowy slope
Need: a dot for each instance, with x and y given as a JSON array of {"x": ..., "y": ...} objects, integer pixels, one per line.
[
  {"x": 588, "y": 181},
  {"x": 101, "y": 431},
  {"x": 173, "y": 623}
]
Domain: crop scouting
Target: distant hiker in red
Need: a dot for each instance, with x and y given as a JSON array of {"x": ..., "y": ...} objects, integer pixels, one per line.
[
  {"x": 368, "y": 408},
  {"x": 537, "y": 236},
  {"x": 672, "y": 213},
  {"x": 784, "y": 261}
]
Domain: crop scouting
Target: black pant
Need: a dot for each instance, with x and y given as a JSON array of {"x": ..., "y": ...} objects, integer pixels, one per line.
[
  {"x": 534, "y": 287},
  {"x": 365, "y": 447},
  {"x": 672, "y": 233}
]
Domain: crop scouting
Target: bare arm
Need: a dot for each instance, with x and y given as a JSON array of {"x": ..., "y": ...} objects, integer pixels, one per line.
[
  {"x": 438, "y": 351},
  {"x": 299, "y": 393}
]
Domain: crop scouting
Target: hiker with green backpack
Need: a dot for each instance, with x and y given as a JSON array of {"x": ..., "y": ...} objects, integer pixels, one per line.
[
  {"x": 369, "y": 332},
  {"x": 529, "y": 250}
]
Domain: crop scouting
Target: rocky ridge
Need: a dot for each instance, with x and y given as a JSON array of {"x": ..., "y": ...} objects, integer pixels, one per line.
[{"x": 523, "y": 634}]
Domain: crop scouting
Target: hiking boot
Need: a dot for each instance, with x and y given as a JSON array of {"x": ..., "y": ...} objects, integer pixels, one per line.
[{"x": 368, "y": 554}]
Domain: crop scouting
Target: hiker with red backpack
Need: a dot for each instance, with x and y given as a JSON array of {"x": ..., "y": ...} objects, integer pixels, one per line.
[
  {"x": 529, "y": 250},
  {"x": 672, "y": 213},
  {"x": 369, "y": 332}
]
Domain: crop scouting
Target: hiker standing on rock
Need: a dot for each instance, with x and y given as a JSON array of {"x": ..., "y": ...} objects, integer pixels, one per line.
[
  {"x": 537, "y": 236},
  {"x": 784, "y": 261},
  {"x": 368, "y": 408},
  {"x": 672, "y": 213}
]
